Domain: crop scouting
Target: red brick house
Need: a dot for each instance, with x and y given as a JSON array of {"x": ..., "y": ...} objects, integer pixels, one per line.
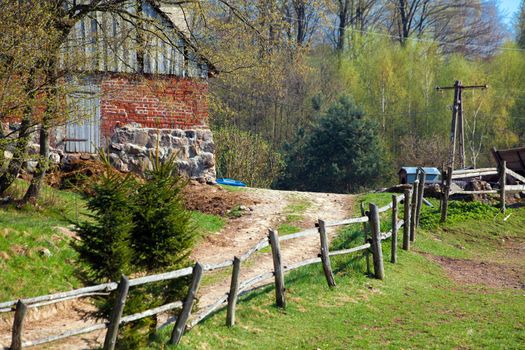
[{"x": 152, "y": 78}]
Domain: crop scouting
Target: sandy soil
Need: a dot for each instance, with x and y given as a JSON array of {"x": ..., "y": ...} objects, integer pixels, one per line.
[{"x": 267, "y": 209}]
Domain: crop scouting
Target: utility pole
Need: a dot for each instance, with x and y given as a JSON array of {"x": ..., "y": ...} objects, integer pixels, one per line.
[{"x": 457, "y": 125}]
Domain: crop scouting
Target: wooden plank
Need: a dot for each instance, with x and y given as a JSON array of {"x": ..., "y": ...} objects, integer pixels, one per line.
[
  {"x": 221, "y": 265},
  {"x": 67, "y": 334},
  {"x": 377, "y": 252},
  {"x": 263, "y": 243},
  {"x": 245, "y": 285},
  {"x": 473, "y": 174},
  {"x": 475, "y": 192},
  {"x": 365, "y": 232},
  {"x": 502, "y": 184},
  {"x": 111, "y": 336},
  {"x": 516, "y": 175},
  {"x": 161, "y": 277},
  {"x": 218, "y": 304},
  {"x": 325, "y": 257},
  {"x": 301, "y": 264},
  {"x": 515, "y": 188},
  {"x": 280, "y": 297},
  {"x": 18, "y": 325},
  {"x": 106, "y": 287},
  {"x": 446, "y": 194},
  {"x": 413, "y": 210},
  {"x": 180, "y": 325},
  {"x": 351, "y": 250},
  {"x": 420, "y": 193},
  {"x": 234, "y": 290},
  {"x": 393, "y": 250},
  {"x": 305, "y": 233},
  {"x": 347, "y": 222},
  {"x": 468, "y": 171},
  {"x": 151, "y": 312},
  {"x": 406, "y": 219}
]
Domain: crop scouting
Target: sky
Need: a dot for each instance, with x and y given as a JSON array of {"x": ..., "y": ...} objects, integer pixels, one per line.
[{"x": 509, "y": 8}]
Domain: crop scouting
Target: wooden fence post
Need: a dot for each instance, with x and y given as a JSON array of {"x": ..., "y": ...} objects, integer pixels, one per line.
[
  {"x": 18, "y": 325},
  {"x": 280, "y": 290},
  {"x": 180, "y": 324},
  {"x": 234, "y": 290},
  {"x": 442, "y": 187},
  {"x": 114, "y": 321},
  {"x": 446, "y": 194},
  {"x": 406, "y": 219},
  {"x": 365, "y": 230},
  {"x": 393, "y": 252},
  {"x": 413, "y": 210},
  {"x": 377, "y": 252},
  {"x": 502, "y": 184},
  {"x": 325, "y": 257},
  {"x": 421, "y": 193}
]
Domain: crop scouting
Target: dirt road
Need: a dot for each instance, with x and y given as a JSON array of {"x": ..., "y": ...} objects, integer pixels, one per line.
[{"x": 272, "y": 208}]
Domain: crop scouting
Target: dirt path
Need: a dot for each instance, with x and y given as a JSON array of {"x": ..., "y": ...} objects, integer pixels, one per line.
[{"x": 237, "y": 237}]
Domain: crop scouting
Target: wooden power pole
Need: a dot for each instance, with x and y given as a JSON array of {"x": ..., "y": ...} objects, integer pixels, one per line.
[{"x": 457, "y": 130}]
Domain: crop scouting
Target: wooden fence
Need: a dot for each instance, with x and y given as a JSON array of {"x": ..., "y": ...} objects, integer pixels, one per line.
[
  {"x": 502, "y": 173},
  {"x": 372, "y": 243}
]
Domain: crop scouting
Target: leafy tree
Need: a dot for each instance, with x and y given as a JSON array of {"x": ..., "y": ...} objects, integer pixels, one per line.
[
  {"x": 343, "y": 152},
  {"x": 521, "y": 26}
]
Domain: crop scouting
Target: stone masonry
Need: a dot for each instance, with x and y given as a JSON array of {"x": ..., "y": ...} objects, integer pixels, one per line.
[{"x": 132, "y": 148}]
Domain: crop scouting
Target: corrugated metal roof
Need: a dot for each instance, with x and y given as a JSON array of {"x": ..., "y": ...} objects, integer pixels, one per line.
[{"x": 427, "y": 170}]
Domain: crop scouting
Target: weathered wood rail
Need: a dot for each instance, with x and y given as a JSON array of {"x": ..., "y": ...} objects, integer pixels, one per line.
[
  {"x": 502, "y": 171},
  {"x": 184, "y": 321}
]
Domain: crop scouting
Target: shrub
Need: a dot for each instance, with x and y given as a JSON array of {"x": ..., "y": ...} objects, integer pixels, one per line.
[{"x": 247, "y": 157}]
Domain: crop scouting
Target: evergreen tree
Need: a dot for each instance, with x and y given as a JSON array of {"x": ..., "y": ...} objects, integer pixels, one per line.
[
  {"x": 342, "y": 153},
  {"x": 105, "y": 240},
  {"x": 162, "y": 235}
]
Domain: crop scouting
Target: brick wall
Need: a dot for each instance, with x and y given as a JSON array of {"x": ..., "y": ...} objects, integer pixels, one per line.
[{"x": 153, "y": 101}]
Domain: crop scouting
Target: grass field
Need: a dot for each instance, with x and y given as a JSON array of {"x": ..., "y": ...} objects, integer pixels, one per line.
[
  {"x": 417, "y": 306},
  {"x": 25, "y": 233}
]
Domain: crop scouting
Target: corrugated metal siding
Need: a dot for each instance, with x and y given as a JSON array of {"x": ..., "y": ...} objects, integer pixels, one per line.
[
  {"x": 108, "y": 42},
  {"x": 83, "y": 130}
]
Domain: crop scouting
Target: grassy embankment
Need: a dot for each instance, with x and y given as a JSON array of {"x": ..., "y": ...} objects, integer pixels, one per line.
[
  {"x": 26, "y": 233},
  {"x": 417, "y": 306}
]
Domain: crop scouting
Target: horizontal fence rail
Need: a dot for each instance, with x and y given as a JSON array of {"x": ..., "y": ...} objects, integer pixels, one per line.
[{"x": 243, "y": 287}]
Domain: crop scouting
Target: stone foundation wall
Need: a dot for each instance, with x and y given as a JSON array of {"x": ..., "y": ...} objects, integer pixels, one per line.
[{"x": 132, "y": 147}]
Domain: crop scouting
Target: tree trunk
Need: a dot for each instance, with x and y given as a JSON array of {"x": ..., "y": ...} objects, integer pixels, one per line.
[
  {"x": 19, "y": 153},
  {"x": 50, "y": 112}
]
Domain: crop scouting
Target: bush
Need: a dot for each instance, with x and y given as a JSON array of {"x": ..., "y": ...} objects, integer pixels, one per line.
[
  {"x": 247, "y": 157},
  {"x": 458, "y": 211}
]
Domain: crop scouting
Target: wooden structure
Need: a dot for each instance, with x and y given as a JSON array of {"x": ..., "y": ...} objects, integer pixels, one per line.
[
  {"x": 514, "y": 157},
  {"x": 134, "y": 64},
  {"x": 185, "y": 320}
]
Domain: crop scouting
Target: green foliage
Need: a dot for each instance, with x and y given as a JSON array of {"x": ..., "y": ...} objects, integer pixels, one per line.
[
  {"x": 105, "y": 245},
  {"x": 342, "y": 153},
  {"x": 162, "y": 235},
  {"x": 458, "y": 211},
  {"x": 137, "y": 227},
  {"x": 247, "y": 157}
]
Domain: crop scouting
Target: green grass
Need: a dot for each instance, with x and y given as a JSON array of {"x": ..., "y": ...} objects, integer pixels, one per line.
[
  {"x": 417, "y": 306},
  {"x": 294, "y": 212},
  {"x": 25, "y": 232},
  {"x": 207, "y": 223}
]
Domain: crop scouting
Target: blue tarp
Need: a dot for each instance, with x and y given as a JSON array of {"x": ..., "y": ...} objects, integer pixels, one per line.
[{"x": 230, "y": 182}]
